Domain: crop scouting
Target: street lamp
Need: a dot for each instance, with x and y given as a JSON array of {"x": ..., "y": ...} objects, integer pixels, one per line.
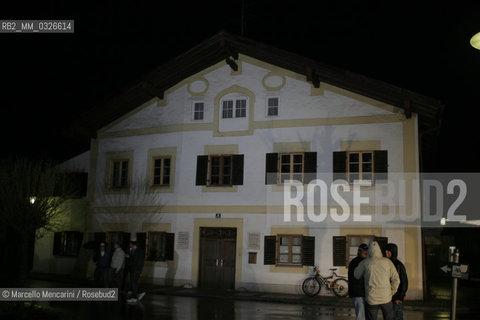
[
  {"x": 443, "y": 221},
  {"x": 32, "y": 200},
  {"x": 475, "y": 41}
]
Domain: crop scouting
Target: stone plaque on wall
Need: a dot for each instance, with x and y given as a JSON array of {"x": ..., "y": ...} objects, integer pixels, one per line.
[
  {"x": 182, "y": 240},
  {"x": 254, "y": 241}
]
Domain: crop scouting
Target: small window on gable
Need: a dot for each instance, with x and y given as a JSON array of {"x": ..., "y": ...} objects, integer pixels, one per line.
[
  {"x": 119, "y": 174},
  {"x": 239, "y": 105},
  {"x": 161, "y": 171},
  {"x": 198, "y": 110},
  {"x": 272, "y": 106}
]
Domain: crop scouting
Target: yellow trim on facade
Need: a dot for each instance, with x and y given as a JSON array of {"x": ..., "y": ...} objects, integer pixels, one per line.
[
  {"x": 201, "y": 93},
  {"x": 270, "y": 124},
  {"x": 216, "y": 116},
  {"x": 276, "y": 230},
  {"x": 273, "y": 74},
  {"x": 157, "y": 152},
  {"x": 303, "y": 146},
  {"x": 115, "y": 227},
  {"x": 219, "y": 188},
  {"x": 360, "y": 145},
  {"x": 218, "y": 223},
  {"x": 220, "y": 149},
  {"x": 412, "y": 255}
]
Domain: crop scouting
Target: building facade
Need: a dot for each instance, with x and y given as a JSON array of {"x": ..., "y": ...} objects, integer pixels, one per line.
[{"x": 196, "y": 172}]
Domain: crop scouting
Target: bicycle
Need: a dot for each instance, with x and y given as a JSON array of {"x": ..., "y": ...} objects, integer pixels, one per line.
[{"x": 338, "y": 284}]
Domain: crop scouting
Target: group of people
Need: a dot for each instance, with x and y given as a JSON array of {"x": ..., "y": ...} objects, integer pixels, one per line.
[
  {"x": 116, "y": 269},
  {"x": 377, "y": 282}
]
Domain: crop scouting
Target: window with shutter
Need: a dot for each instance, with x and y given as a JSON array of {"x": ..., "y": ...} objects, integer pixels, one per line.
[
  {"x": 270, "y": 250},
  {"x": 237, "y": 169},
  {"x": 67, "y": 243},
  {"x": 339, "y": 165},
  {"x": 271, "y": 168},
  {"x": 381, "y": 166},
  {"x": 310, "y": 170},
  {"x": 57, "y": 243},
  {"x": 142, "y": 240},
  {"x": 202, "y": 168},
  {"x": 308, "y": 251},
  {"x": 339, "y": 251},
  {"x": 169, "y": 246}
]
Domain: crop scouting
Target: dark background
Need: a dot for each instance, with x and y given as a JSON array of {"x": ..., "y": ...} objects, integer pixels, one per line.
[{"x": 48, "y": 82}]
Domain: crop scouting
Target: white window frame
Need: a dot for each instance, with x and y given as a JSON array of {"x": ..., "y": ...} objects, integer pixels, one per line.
[
  {"x": 193, "y": 111},
  {"x": 234, "y": 109},
  {"x": 267, "y": 107}
]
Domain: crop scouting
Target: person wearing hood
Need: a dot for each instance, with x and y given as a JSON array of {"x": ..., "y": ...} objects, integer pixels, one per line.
[
  {"x": 356, "y": 288},
  {"x": 381, "y": 282},
  {"x": 391, "y": 251}
]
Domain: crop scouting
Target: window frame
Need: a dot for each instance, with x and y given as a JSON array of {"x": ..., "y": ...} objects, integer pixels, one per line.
[
  {"x": 291, "y": 164},
  {"x": 290, "y": 251},
  {"x": 234, "y": 107},
  {"x": 112, "y": 174},
  {"x": 162, "y": 245},
  {"x": 194, "y": 111},
  {"x": 360, "y": 163},
  {"x": 267, "y": 107},
  {"x": 162, "y": 167},
  {"x": 371, "y": 238},
  {"x": 63, "y": 244},
  {"x": 220, "y": 172}
]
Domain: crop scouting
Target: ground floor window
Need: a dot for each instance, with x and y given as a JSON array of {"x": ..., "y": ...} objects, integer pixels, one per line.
[
  {"x": 289, "y": 250},
  {"x": 67, "y": 243}
]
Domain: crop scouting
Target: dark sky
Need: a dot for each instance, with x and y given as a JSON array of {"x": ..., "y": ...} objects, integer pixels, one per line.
[{"x": 47, "y": 81}]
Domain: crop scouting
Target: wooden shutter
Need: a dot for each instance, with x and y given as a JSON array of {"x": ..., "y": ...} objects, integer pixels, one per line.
[
  {"x": 57, "y": 243},
  {"x": 308, "y": 251},
  {"x": 271, "y": 168},
  {"x": 382, "y": 242},
  {"x": 79, "y": 239},
  {"x": 270, "y": 250},
  {"x": 237, "y": 169},
  {"x": 169, "y": 241},
  {"x": 99, "y": 237},
  {"x": 202, "y": 167},
  {"x": 142, "y": 240},
  {"x": 125, "y": 241},
  {"x": 380, "y": 166},
  {"x": 310, "y": 168},
  {"x": 339, "y": 251},
  {"x": 339, "y": 165}
]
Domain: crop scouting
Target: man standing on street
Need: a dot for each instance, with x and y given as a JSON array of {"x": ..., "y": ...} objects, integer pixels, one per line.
[
  {"x": 135, "y": 261},
  {"x": 116, "y": 267},
  {"x": 398, "y": 299},
  {"x": 381, "y": 282},
  {"x": 102, "y": 258},
  {"x": 356, "y": 288}
]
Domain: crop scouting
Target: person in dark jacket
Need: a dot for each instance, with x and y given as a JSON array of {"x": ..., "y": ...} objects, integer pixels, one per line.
[
  {"x": 398, "y": 299},
  {"x": 134, "y": 262},
  {"x": 356, "y": 288},
  {"x": 102, "y": 258}
]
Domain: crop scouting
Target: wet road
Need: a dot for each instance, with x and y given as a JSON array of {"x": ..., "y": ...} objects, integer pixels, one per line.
[{"x": 170, "y": 307}]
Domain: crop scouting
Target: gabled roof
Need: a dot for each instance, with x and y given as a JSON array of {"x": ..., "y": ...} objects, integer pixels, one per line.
[{"x": 225, "y": 46}]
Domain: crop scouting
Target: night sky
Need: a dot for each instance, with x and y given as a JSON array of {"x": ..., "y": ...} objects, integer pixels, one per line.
[{"x": 49, "y": 81}]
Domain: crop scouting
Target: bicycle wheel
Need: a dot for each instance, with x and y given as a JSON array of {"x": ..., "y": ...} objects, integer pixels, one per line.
[
  {"x": 310, "y": 286},
  {"x": 340, "y": 287}
]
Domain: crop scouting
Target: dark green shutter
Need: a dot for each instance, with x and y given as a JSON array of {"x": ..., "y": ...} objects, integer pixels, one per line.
[
  {"x": 237, "y": 169},
  {"x": 339, "y": 251},
  {"x": 339, "y": 165},
  {"x": 57, "y": 243},
  {"x": 142, "y": 240},
  {"x": 308, "y": 251},
  {"x": 382, "y": 242},
  {"x": 271, "y": 168},
  {"x": 169, "y": 242},
  {"x": 380, "y": 166},
  {"x": 270, "y": 250},
  {"x": 310, "y": 168},
  {"x": 202, "y": 167}
]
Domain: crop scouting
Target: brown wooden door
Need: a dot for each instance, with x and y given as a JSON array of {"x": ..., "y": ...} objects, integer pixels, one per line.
[{"x": 217, "y": 258}]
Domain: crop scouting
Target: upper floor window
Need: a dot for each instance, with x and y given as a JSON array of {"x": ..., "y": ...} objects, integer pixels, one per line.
[
  {"x": 161, "y": 171},
  {"x": 291, "y": 166},
  {"x": 119, "y": 174},
  {"x": 219, "y": 170},
  {"x": 365, "y": 167},
  {"x": 300, "y": 166},
  {"x": 240, "y": 108},
  {"x": 272, "y": 106},
  {"x": 198, "y": 110}
]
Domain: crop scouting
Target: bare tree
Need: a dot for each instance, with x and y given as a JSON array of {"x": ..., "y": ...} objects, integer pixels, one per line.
[{"x": 32, "y": 196}]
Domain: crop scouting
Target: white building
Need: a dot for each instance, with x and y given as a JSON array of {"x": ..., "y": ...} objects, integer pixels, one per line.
[{"x": 184, "y": 169}]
